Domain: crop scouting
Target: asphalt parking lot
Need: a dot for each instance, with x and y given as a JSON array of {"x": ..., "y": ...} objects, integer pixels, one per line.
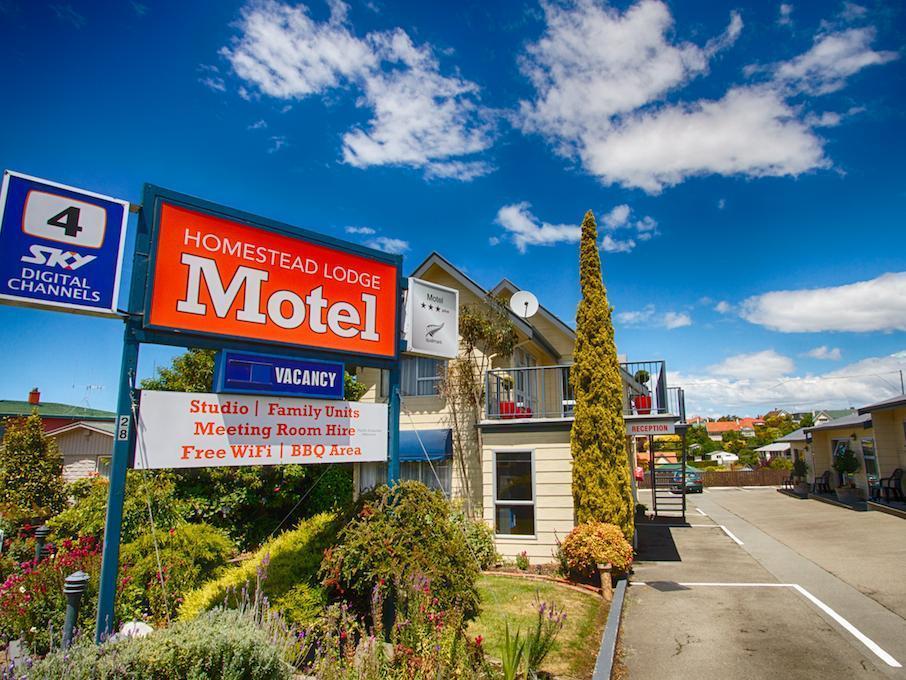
[{"x": 760, "y": 585}]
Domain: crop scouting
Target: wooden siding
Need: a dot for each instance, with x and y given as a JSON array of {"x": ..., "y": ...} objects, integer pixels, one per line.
[
  {"x": 890, "y": 439},
  {"x": 81, "y": 449}
]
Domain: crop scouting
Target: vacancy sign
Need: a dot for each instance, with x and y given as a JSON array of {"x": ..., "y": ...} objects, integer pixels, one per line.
[
  {"x": 60, "y": 247},
  {"x": 189, "y": 430},
  {"x": 432, "y": 320},
  {"x": 217, "y": 276}
]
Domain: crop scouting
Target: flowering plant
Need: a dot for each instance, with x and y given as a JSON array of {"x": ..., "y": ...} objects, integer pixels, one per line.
[{"x": 32, "y": 604}]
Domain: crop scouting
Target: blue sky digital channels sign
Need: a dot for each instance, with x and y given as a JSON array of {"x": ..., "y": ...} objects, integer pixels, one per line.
[{"x": 60, "y": 247}]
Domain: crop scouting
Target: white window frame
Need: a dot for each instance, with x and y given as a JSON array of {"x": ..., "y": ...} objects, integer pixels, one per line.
[
  {"x": 533, "y": 502},
  {"x": 419, "y": 380},
  {"x": 874, "y": 456}
]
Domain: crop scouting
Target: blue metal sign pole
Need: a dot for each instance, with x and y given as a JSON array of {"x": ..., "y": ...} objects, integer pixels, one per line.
[
  {"x": 122, "y": 448},
  {"x": 393, "y": 426}
]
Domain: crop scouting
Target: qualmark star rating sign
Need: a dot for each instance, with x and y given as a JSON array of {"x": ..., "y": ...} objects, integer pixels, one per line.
[
  {"x": 432, "y": 320},
  {"x": 60, "y": 247}
]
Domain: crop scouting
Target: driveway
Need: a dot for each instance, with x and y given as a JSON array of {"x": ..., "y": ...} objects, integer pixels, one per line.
[{"x": 726, "y": 597}]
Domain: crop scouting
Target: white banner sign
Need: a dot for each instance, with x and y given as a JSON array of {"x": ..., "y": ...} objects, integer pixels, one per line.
[
  {"x": 643, "y": 428},
  {"x": 189, "y": 430},
  {"x": 432, "y": 320}
]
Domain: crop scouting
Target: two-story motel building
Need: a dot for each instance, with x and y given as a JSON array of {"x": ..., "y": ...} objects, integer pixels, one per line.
[{"x": 514, "y": 467}]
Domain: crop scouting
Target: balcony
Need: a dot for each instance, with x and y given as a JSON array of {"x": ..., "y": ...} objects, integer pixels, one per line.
[
  {"x": 535, "y": 392},
  {"x": 544, "y": 392}
]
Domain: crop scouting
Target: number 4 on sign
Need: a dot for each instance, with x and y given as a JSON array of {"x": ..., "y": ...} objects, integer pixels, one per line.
[{"x": 68, "y": 220}]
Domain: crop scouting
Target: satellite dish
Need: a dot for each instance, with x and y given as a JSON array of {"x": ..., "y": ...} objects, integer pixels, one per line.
[{"x": 524, "y": 304}]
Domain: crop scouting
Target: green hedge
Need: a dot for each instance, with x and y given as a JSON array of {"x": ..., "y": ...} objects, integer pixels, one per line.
[{"x": 290, "y": 562}]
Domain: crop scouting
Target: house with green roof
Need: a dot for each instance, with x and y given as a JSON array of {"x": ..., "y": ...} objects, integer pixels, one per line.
[{"x": 84, "y": 435}]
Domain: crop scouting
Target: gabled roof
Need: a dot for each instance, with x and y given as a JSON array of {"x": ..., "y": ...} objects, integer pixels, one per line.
[
  {"x": 854, "y": 420},
  {"x": 101, "y": 427},
  {"x": 439, "y": 260},
  {"x": 506, "y": 284},
  {"x": 893, "y": 402},
  {"x": 794, "y": 436},
  {"x": 50, "y": 409}
]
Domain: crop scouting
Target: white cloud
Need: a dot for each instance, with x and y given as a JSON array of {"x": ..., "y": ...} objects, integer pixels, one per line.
[
  {"x": 594, "y": 62},
  {"x": 721, "y": 204},
  {"x": 418, "y": 117},
  {"x": 360, "y": 230},
  {"x": 617, "y": 217},
  {"x": 856, "y": 384},
  {"x": 649, "y": 317},
  {"x": 601, "y": 77},
  {"x": 751, "y": 131},
  {"x": 852, "y": 11},
  {"x": 785, "y": 17},
  {"x": 527, "y": 230},
  {"x": 277, "y": 143},
  {"x": 723, "y": 307},
  {"x": 875, "y": 305},
  {"x": 493, "y": 240},
  {"x": 214, "y": 83},
  {"x": 676, "y": 320},
  {"x": 258, "y": 125},
  {"x": 612, "y": 245},
  {"x": 833, "y": 58},
  {"x": 388, "y": 245},
  {"x": 826, "y": 353},
  {"x": 762, "y": 365}
]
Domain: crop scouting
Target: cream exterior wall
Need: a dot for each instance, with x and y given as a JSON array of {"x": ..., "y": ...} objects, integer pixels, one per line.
[
  {"x": 890, "y": 439},
  {"x": 821, "y": 450},
  {"x": 552, "y": 489},
  {"x": 81, "y": 449}
]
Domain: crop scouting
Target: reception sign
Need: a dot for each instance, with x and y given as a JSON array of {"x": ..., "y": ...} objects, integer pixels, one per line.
[
  {"x": 643, "y": 428},
  {"x": 188, "y": 430},
  {"x": 60, "y": 247},
  {"x": 214, "y": 275}
]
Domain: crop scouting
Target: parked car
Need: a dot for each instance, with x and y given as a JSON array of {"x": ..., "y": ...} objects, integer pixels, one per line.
[{"x": 693, "y": 482}]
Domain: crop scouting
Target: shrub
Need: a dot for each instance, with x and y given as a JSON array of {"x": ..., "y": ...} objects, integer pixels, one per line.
[
  {"x": 479, "y": 538},
  {"x": 86, "y": 516},
  {"x": 394, "y": 533},
  {"x": 221, "y": 645},
  {"x": 31, "y": 467},
  {"x": 32, "y": 601},
  {"x": 594, "y": 543},
  {"x": 247, "y": 503},
  {"x": 291, "y": 562},
  {"x": 522, "y": 561},
  {"x": 800, "y": 468},
  {"x": 189, "y": 554}
]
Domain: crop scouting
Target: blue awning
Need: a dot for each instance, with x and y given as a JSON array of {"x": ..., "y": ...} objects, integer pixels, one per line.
[{"x": 438, "y": 444}]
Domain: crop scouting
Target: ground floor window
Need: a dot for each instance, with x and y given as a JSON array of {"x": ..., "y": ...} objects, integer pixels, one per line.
[
  {"x": 514, "y": 493},
  {"x": 104, "y": 467},
  {"x": 871, "y": 459},
  {"x": 440, "y": 477}
]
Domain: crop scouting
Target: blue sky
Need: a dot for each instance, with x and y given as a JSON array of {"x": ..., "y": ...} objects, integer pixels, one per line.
[{"x": 744, "y": 161}]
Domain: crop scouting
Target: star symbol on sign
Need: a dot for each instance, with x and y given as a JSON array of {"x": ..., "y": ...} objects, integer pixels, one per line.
[
  {"x": 423, "y": 305},
  {"x": 430, "y": 306}
]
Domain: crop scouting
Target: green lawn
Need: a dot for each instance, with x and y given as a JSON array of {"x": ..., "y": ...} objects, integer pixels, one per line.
[{"x": 512, "y": 598}]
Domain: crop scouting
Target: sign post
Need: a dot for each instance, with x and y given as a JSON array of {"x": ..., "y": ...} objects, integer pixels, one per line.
[{"x": 122, "y": 450}]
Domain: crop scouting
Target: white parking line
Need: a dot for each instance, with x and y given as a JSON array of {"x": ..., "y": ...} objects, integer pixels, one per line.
[
  {"x": 873, "y": 646},
  {"x": 702, "y": 512},
  {"x": 730, "y": 534}
]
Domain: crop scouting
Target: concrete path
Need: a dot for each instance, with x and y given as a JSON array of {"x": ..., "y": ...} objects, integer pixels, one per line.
[{"x": 792, "y": 619}]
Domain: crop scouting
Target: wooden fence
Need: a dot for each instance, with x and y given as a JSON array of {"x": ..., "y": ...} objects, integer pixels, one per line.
[{"x": 760, "y": 477}]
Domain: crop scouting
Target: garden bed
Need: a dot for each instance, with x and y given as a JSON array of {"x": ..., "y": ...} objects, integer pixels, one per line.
[{"x": 513, "y": 598}]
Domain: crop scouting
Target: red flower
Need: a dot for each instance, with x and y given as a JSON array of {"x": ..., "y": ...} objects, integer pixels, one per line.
[{"x": 479, "y": 640}]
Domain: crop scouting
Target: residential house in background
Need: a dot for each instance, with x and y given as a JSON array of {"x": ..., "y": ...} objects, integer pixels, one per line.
[
  {"x": 84, "y": 435},
  {"x": 822, "y": 416},
  {"x": 744, "y": 426},
  {"x": 725, "y": 458},
  {"x": 510, "y": 464}
]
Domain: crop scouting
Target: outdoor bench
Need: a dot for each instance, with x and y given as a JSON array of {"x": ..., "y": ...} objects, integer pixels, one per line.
[
  {"x": 892, "y": 487},
  {"x": 822, "y": 483}
]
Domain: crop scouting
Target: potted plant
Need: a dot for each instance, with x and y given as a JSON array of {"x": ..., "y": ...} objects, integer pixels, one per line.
[
  {"x": 800, "y": 471},
  {"x": 846, "y": 464},
  {"x": 642, "y": 402}
]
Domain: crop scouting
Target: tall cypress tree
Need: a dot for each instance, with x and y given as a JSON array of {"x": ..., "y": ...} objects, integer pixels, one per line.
[{"x": 601, "y": 486}]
